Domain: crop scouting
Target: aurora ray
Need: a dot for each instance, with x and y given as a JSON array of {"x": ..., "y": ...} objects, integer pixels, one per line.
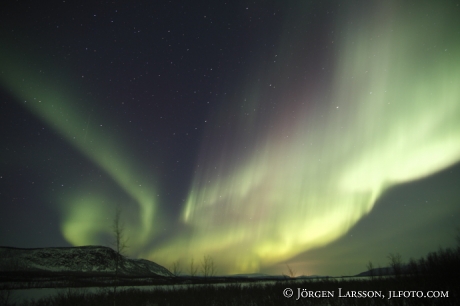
[
  {"x": 310, "y": 178},
  {"x": 56, "y": 104}
]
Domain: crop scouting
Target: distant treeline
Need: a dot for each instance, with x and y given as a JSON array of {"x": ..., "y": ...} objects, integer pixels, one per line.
[{"x": 444, "y": 263}]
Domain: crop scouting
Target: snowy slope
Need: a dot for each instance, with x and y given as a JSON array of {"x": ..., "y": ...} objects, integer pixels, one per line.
[{"x": 86, "y": 259}]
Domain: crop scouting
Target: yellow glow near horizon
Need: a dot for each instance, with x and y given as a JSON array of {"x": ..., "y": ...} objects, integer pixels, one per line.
[{"x": 392, "y": 118}]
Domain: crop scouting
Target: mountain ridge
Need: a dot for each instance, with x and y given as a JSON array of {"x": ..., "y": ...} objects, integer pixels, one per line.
[{"x": 82, "y": 259}]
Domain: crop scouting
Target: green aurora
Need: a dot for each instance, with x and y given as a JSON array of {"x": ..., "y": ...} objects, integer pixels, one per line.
[
  {"x": 390, "y": 116},
  {"x": 82, "y": 215}
]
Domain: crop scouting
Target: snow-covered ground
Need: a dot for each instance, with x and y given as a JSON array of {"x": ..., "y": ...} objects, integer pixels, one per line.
[{"x": 20, "y": 295}]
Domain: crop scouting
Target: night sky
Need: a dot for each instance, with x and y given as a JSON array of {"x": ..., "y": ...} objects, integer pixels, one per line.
[{"x": 318, "y": 134}]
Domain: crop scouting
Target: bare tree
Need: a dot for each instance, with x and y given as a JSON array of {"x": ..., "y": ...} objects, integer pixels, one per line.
[
  {"x": 370, "y": 268},
  {"x": 120, "y": 245},
  {"x": 291, "y": 273},
  {"x": 413, "y": 267},
  {"x": 458, "y": 239},
  {"x": 207, "y": 266},
  {"x": 176, "y": 269},
  {"x": 395, "y": 263},
  {"x": 193, "y": 268}
]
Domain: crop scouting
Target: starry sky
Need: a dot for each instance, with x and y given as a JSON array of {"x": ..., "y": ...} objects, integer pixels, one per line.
[{"x": 314, "y": 134}]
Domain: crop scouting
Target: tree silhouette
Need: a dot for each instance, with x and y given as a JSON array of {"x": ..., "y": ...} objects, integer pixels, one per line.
[
  {"x": 120, "y": 244},
  {"x": 193, "y": 268},
  {"x": 395, "y": 263},
  {"x": 370, "y": 268},
  {"x": 176, "y": 269},
  {"x": 207, "y": 266}
]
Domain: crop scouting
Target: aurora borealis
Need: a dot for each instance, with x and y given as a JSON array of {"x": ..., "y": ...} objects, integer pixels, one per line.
[{"x": 257, "y": 133}]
